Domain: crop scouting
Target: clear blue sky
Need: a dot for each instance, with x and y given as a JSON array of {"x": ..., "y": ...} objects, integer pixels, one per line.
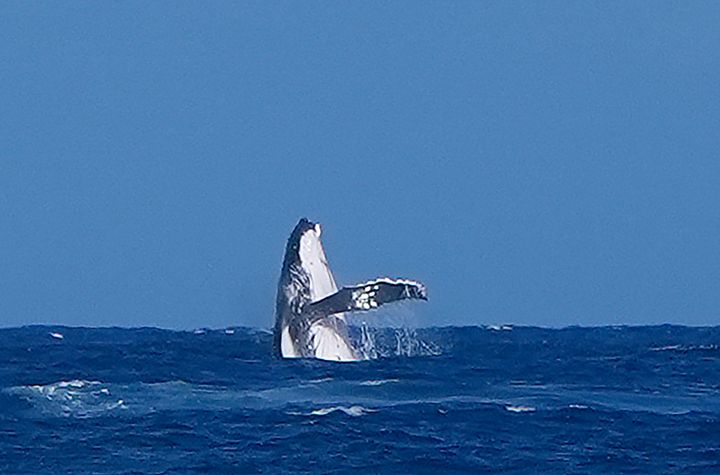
[{"x": 542, "y": 163}]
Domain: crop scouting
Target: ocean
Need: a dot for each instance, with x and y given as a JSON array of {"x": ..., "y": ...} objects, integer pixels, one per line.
[{"x": 436, "y": 400}]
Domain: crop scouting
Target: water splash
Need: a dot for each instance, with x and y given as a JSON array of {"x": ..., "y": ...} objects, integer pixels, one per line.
[
  {"x": 367, "y": 345},
  {"x": 382, "y": 342},
  {"x": 407, "y": 343}
]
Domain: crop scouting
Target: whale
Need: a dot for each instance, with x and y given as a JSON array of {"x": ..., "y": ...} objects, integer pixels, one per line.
[{"x": 310, "y": 309}]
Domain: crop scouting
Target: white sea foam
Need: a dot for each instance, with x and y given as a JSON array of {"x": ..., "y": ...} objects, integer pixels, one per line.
[
  {"x": 682, "y": 348},
  {"x": 378, "y": 382},
  {"x": 120, "y": 404},
  {"x": 77, "y": 397},
  {"x": 354, "y": 411},
  {"x": 62, "y": 387},
  {"x": 665, "y": 348},
  {"x": 520, "y": 408}
]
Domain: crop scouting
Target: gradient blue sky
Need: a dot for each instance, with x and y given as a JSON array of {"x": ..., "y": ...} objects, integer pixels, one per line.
[{"x": 543, "y": 163}]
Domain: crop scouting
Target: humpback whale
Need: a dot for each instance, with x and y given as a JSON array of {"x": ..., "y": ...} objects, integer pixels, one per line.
[{"x": 310, "y": 309}]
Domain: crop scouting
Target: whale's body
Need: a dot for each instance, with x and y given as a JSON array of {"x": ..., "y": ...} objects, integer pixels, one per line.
[{"x": 310, "y": 310}]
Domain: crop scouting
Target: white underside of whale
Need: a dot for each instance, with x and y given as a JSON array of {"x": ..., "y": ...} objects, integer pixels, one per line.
[{"x": 328, "y": 345}]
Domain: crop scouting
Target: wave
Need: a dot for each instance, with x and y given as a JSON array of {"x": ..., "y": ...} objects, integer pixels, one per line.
[
  {"x": 520, "y": 408},
  {"x": 79, "y": 398},
  {"x": 378, "y": 382},
  {"x": 491, "y": 401},
  {"x": 354, "y": 411},
  {"x": 94, "y": 372},
  {"x": 92, "y": 398},
  {"x": 686, "y": 348}
]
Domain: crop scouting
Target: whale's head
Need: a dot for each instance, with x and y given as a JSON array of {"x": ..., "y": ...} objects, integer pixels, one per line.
[{"x": 305, "y": 250}]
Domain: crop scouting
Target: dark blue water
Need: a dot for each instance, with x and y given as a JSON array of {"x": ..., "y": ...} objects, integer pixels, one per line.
[{"x": 451, "y": 400}]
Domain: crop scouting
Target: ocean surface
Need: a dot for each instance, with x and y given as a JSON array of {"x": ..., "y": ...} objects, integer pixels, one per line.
[{"x": 440, "y": 400}]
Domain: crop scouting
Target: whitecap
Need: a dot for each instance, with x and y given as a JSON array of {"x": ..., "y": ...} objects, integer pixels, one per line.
[
  {"x": 666, "y": 348},
  {"x": 120, "y": 404},
  {"x": 354, "y": 411},
  {"x": 520, "y": 408},
  {"x": 377, "y": 382},
  {"x": 68, "y": 387},
  {"x": 77, "y": 397}
]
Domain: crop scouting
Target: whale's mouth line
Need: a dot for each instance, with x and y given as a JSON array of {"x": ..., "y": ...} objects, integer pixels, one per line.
[{"x": 310, "y": 313}]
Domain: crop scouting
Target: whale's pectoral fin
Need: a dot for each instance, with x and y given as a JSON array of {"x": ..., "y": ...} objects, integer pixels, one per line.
[{"x": 367, "y": 296}]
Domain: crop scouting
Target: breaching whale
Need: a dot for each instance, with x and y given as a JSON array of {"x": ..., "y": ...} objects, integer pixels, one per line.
[{"x": 310, "y": 310}]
